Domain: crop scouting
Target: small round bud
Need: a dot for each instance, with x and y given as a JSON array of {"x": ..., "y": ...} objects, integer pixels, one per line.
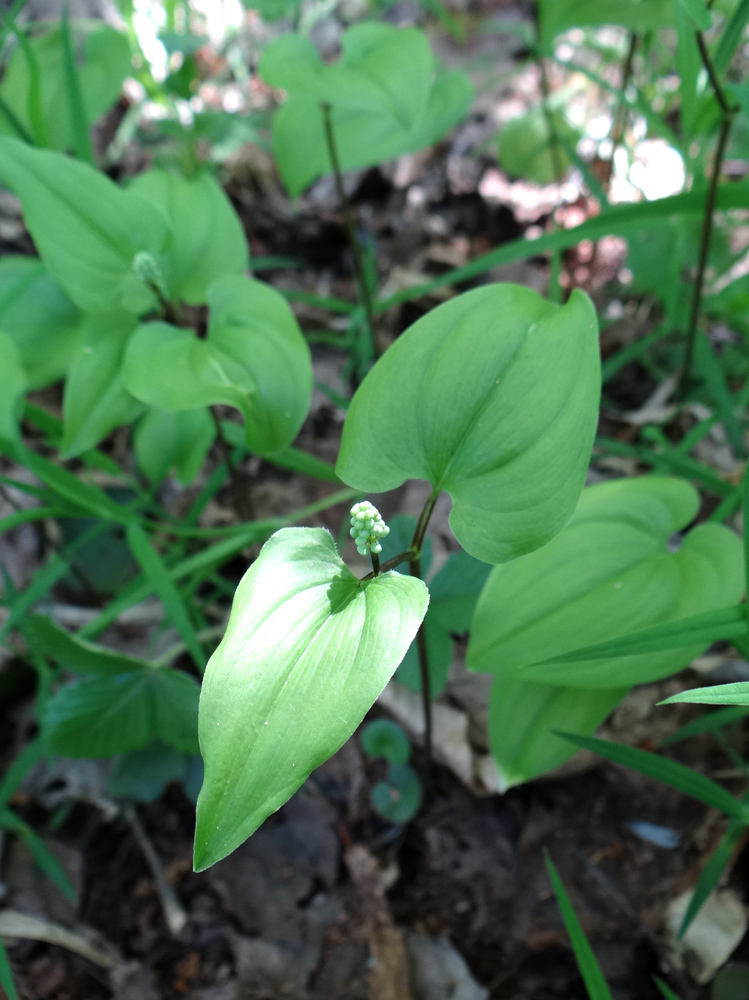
[{"x": 367, "y": 528}]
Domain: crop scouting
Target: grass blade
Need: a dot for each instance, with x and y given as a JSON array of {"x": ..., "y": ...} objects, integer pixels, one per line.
[
  {"x": 590, "y": 970},
  {"x": 697, "y": 630},
  {"x": 712, "y": 872},
  {"x": 43, "y": 857},
  {"x": 78, "y": 123},
  {"x": 706, "y": 724},
  {"x": 717, "y": 694},
  {"x": 19, "y": 769},
  {"x": 6, "y": 974},
  {"x": 666, "y": 990},
  {"x": 683, "y": 779},
  {"x": 715, "y": 381},
  {"x": 731, "y": 38},
  {"x": 157, "y": 573}
]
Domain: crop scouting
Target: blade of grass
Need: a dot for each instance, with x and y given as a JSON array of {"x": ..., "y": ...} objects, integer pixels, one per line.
[
  {"x": 718, "y": 694},
  {"x": 157, "y": 573},
  {"x": 18, "y": 770},
  {"x": 711, "y": 371},
  {"x": 666, "y": 990},
  {"x": 25, "y": 516},
  {"x": 708, "y": 723},
  {"x": 683, "y": 779},
  {"x": 17, "y": 125},
  {"x": 590, "y": 970},
  {"x": 34, "y": 107},
  {"x": 6, "y": 974},
  {"x": 321, "y": 301},
  {"x": 731, "y": 38},
  {"x": 712, "y": 872},
  {"x": 78, "y": 122},
  {"x": 696, "y": 630},
  {"x": 44, "y": 858}
]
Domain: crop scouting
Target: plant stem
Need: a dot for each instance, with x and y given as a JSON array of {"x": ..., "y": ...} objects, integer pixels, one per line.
[
  {"x": 728, "y": 113},
  {"x": 421, "y": 636},
  {"x": 554, "y": 143},
  {"x": 620, "y": 115},
  {"x": 348, "y": 216},
  {"x": 242, "y": 503},
  {"x": 375, "y": 563}
]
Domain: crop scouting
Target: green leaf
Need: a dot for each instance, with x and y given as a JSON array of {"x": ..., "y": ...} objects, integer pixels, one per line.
[
  {"x": 731, "y": 38},
  {"x": 683, "y": 779},
  {"x": 454, "y": 590},
  {"x": 13, "y": 385},
  {"x": 536, "y": 611},
  {"x": 254, "y": 358},
  {"x": 525, "y": 146},
  {"x": 87, "y": 230},
  {"x": 74, "y": 654},
  {"x": 590, "y": 970},
  {"x": 493, "y": 397},
  {"x": 95, "y": 399},
  {"x": 708, "y": 723},
  {"x": 307, "y": 651},
  {"x": 383, "y": 98},
  {"x": 666, "y": 990},
  {"x": 689, "y": 65},
  {"x": 719, "y": 694},
  {"x": 524, "y": 717},
  {"x": 208, "y": 241},
  {"x": 142, "y": 775},
  {"x": 398, "y": 798},
  {"x": 6, "y": 974},
  {"x": 32, "y": 304},
  {"x": 18, "y": 770},
  {"x": 106, "y": 715},
  {"x": 105, "y": 64},
  {"x": 166, "y": 440},
  {"x": 698, "y": 12},
  {"x": 385, "y": 738},
  {"x": 154, "y": 568},
  {"x": 556, "y": 16},
  {"x": 440, "y": 654}
]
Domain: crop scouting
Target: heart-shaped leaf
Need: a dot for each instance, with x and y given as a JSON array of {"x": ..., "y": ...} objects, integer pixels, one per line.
[
  {"x": 493, "y": 397},
  {"x": 254, "y": 358},
  {"x": 307, "y": 651},
  {"x": 95, "y": 399},
  {"x": 383, "y": 95},
  {"x": 207, "y": 242},
  {"x": 608, "y": 574},
  {"x": 86, "y": 229}
]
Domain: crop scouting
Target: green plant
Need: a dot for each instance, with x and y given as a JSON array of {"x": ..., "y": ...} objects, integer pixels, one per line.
[{"x": 398, "y": 797}]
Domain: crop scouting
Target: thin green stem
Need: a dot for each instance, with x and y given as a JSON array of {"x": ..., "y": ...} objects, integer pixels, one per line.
[
  {"x": 241, "y": 498},
  {"x": 365, "y": 296},
  {"x": 620, "y": 116},
  {"x": 375, "y": 563},
  {"x": 421, "y": 636},
  {"x": 707, "y": 229},
  {"x": 717, "y": 86},
  {"x": 554, "y": 143}
]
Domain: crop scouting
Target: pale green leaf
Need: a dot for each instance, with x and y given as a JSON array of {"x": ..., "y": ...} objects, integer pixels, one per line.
[
  {"x": 556, "y": 16},
  {"x": 608, "y": 575},
  {"x": 492, "y": 397},
  {"x": 74, "y": 654},
  {"x": 95, "y": 399},
  {"x": 525, "y": 146},
  {"x": 698, "y": 12},
  {"x": 173, "y": 439},
  {"x": 86, "y": 229},
  {"x": 718, "y": 694},
  {"x": 13, "y": 385},
  {"x": 307, "y": 651},
  {"x": 254, "y": 358},
  {"x": 207, "y": 242}
]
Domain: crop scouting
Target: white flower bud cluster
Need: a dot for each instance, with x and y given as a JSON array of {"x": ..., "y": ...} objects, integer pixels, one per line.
[
  {"x": 145, "y": 266},
  {"x": 367, "y": 528}
]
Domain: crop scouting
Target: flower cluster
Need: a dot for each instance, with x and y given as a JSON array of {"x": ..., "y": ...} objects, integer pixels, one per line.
[
  {"x": 367, "y": 528},
  {"x": 148, "y": 271}
]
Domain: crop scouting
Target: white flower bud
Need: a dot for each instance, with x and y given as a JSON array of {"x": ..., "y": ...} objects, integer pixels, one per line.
[{"x": 367, "y": 528}]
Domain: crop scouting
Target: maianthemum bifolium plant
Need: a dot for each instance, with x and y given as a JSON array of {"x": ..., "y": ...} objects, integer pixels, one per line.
[{"x": 142, "y": 304}]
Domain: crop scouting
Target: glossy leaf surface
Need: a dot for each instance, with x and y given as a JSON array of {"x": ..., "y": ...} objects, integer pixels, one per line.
[
  {"x": 254, "y": 358},
  {"x": 492, "y": 397},
  {"x": 384, "y": 99},
  {"x": 207, "y": 242},
  {"x": 307, "y": 651},
  {"x": 86, "y": 229},
  {"x": 608, "y": 574}
]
